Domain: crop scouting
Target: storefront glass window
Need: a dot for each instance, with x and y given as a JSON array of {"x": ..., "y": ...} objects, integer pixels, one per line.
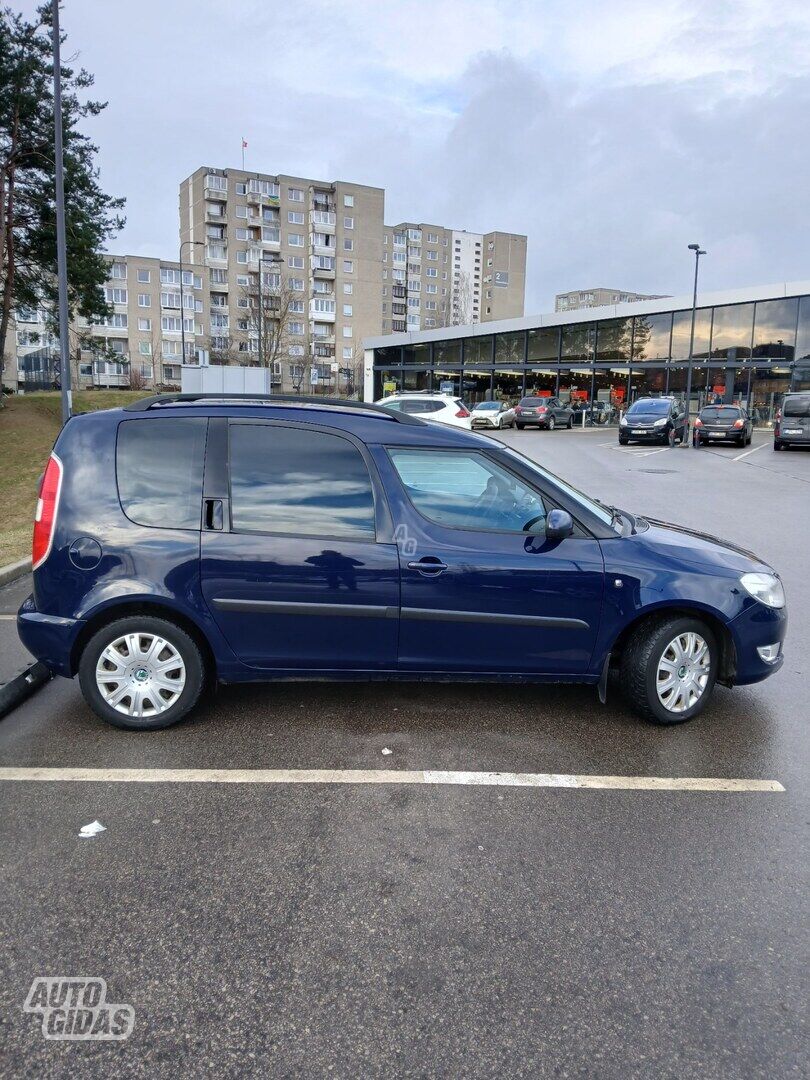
[
  {"x": 447, "y": 353},
  {"x": 478, "y": 350},
  {"x": 768, "y": 387},
  {"x": 578, "y": 342},
  {"x": 476, "y": 387},
  {"x": 508, "y": 385},
  {"x": 388, "y": 357},
  {"x": 544, "y": 344},
  {"x": 732, "y": 328},
  {"x": 386, "y": 382},
  {"x": 541, "y": 382},
  {"x": 416, "y": 354},
  {"x": 775, "y": 328},
  {"x": 415, "y": 380},
  {"x": 803, "y": 333},
  {"x": 613, "y": 339},
  {"x": 651, "y": 336},
  {"x": 509, "y": 348},
  {"x": 681, "y": 324}
]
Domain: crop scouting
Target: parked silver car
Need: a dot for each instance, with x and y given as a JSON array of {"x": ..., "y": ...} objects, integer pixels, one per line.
[{"x": 493, "y": 414}]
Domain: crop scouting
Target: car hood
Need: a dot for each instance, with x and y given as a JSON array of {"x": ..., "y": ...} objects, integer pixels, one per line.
[
  {"x": 689, "y": 545},
  {"x": 644, "y": 419}
]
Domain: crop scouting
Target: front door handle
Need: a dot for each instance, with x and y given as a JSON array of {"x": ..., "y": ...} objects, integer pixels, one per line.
[{"x": 429, "y": 566}]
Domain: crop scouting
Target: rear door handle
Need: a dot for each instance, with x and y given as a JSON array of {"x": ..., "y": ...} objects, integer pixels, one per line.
[
  {"x": 213, "y": 516},
  {"x": 429, "y": 566}
]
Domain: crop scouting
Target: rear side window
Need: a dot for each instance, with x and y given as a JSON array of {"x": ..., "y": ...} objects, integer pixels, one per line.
[
  {"x": 159, "y": 465},
  {"x": 302, "y": 483},
  {"x": 797, "y": 406}
]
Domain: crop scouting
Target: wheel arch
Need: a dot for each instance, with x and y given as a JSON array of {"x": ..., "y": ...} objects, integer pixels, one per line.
[
  {"x": 728, "y": 651},
  {"x": 154, "y": 609}
]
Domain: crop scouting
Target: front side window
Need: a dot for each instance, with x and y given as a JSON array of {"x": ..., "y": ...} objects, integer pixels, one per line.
[
  {"x": 301, "y": 483},
  {"x": 159, "y": 464},
  {"x": 466, "y": 490}
]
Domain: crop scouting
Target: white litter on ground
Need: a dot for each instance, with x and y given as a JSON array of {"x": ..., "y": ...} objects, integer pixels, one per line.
[
  {"x": 91, "y": 829},
  {"x": 386, "y": 751}
]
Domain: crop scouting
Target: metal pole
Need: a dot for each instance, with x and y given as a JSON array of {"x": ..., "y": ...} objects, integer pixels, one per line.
[
  {"x": 182, "y": 311},
  {"x": 261, "y": 316},
  {"x": 61, "y": 243},
  {"x": 698, "y": 253}
]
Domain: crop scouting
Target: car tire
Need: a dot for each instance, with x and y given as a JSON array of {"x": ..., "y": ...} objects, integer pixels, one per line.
[
  {"x": 649, "y": 646},
  {"x": 778, "y": 444},
  {"x": 520, "y": 427},
  {"x": 188, "y": 673},
  {"x": 570, "y": 423},
  {"x": 623, "y": 442},
  {"x": 696, "y": 441},
  {"x": 669, "y": 438},
  {"x": 552, "y": 423}
]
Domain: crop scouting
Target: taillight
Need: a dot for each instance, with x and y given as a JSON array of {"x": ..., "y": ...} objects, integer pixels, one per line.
[
  {"x": 698, "y": 422},
  {"x": 542, "y": 409},
  {"x": 462, "y": 413},
  {"x": 738, "y": 423},
  {"x": 47, "y": 506}
]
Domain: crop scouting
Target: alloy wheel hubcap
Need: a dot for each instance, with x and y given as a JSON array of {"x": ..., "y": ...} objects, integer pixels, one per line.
[
  {"x": 140, "y": 675},
  {"x": 683, "y": 672}
]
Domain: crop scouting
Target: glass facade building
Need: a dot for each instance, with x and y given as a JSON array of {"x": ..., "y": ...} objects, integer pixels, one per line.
[{"x": 750, "y": 348}]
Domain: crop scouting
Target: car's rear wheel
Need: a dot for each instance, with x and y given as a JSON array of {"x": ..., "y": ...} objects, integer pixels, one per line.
[
  {"x": 570, "y": 422},
  {"x": 552, "y": 423},
  {"x": 778, "y": 444},
  {"x": 520, "y": 427},
  {"x": 669, "y": 668},
  {"x": 141, "y": 673}
]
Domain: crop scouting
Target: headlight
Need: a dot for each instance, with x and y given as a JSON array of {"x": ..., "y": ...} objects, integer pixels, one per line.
[
  {"x": 767, "y": 588},
  {"x": 661, "y": 422},
  {"x": 623, "y": 422}
]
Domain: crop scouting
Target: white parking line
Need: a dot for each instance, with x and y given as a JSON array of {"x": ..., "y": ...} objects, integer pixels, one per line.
[
  {"x": 637, "y": 451},
  {"x": 753, "y": 450},
  {"x": 388, "y": 776}
]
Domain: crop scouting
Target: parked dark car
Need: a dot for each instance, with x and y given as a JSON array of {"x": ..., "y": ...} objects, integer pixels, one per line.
[
  {"x": 792, "y": 426},
  {"x": 543, "y": 412},
  {"x": 723, "y": 423},
  {"x": 185, "y": 538},
  {"x": 653, "y": 420}
]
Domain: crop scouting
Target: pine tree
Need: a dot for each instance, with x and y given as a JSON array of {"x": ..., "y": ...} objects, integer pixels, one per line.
[{"x": 27, "y": 179}]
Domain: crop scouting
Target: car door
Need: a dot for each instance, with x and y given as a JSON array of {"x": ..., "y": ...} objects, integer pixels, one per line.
[
  {"x": 479, "y": 594},
  {"x": 298, "y": 564}
]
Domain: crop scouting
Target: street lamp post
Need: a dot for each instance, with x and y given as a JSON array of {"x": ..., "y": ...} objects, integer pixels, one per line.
[
  {"x": 61, "y": 243},
  {"x": 698, "y": 252},
  {"x": 193, "y": 243}
]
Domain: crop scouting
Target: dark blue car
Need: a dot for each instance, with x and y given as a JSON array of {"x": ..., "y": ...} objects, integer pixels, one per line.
[{"x": 184, "y": 539}]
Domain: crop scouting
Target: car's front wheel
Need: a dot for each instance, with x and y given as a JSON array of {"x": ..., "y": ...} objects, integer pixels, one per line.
[
  {"x": 669, "y": 668},
  {"x": 141, "y": 673}
]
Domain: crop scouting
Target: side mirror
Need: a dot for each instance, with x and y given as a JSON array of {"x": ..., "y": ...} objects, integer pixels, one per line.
[{"x": 559, "y": 524}]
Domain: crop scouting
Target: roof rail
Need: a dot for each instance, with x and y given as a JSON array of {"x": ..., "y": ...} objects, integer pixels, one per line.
[{"x": 145, "y": 404}]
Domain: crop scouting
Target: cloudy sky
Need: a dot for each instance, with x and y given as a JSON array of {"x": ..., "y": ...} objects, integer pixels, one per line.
[{"x": 612, "y": 134}]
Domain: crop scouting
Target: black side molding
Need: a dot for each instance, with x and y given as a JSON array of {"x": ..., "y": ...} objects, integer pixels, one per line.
[{"x": 282, "y": 607}]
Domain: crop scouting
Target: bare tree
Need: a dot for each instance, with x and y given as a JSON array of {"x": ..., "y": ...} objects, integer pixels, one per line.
[
  {"x": 455, "y": 308},
  {"x": 222, "y": 350},
  {"x": 272, "y": 303}
]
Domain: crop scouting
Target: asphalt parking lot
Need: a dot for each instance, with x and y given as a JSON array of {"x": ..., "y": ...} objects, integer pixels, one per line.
[{"x": 435, "y": 929}]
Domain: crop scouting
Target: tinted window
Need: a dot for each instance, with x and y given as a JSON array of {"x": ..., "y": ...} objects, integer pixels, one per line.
[
  {"x": 159, "y": 464},
  {"x": 797, "y": 406},
  {"x": 305, "y": 483},
  {"x": 465, "y": 490},
  {"x": 533, "y": 402},
  {"x": 419, "y": 405},
  {"x": 720, "y": 413}
]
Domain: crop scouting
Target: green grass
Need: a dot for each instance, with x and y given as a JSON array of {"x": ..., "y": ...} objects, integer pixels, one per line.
[{"x": 29, "y": 424}]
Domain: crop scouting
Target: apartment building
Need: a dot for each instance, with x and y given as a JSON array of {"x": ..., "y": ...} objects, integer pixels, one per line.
[
  {"x": 588, "y": 298},
  {"x": 139, "y": 343},
  {"x": 318, "y": 246},
  {"x": 434, "y": 276}
]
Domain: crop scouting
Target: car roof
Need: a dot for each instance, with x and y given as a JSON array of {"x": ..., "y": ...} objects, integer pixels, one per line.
[{"x": 369, "y": 423}]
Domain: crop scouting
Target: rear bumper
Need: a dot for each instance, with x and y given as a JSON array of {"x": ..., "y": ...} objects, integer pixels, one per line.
[
  {"x": 48, "y": 637},
  {"x": 801, "y": 440},
  {"x": 754, "y": 627},
  {"x": 733, "y": 435}
]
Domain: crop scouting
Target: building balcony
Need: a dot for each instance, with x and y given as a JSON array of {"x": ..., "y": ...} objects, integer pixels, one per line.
[
  {"x": 323, "y": 273},
  {"x": 321, "y": 316},
  {"x": 322, "y": 221},
  {"x": 322, "y": 350},
  {"x": 326, "y": 341}
]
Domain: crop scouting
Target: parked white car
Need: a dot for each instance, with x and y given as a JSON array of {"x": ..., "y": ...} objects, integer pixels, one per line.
[
  {"x": 444, "y": 408},
  {"x": 493, "y": 414}
]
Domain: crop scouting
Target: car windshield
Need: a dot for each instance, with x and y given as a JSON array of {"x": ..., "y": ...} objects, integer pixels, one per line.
[
  {"x": 649, "y": 405},
  {"x": 797, "y": 406},
  {"x": 531, "y": 402},
  {"x": 488, "y": 406},
  {"x": 591, "y": 505},
  {"x": 720, "y": 412}
]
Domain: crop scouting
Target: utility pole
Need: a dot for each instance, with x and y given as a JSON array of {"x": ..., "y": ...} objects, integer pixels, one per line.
[
  {"x": 61, "y": 243},
  {"x": 698, "y": 252}
]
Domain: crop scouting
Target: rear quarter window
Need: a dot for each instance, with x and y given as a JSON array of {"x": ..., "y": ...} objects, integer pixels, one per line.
[{"x": 159, "y": 468}]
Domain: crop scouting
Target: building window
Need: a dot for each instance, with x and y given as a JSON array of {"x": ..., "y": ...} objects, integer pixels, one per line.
[
  {"x": 348, "y": 243},
  {"x": 295, "y": 194},
  {"x": 348, "y": 266},
  {"x": 145, "y": 324},
  {"x": 296, "y": 262},
  {"x": 145, "y": 348},
  {"x": 347, "y": 310},
  {"x": 347, "y": 331},
  {"x": 295, "y": 239},
  {"x": 115, "y": 296},
  {"x": 297, "y": 329},
  {"x": 144, "y": 300},
  {"x": 297, "y": 307},
  {"x": 241, "y": 210},
  {"x": 118, "y": 271},
  {"x": 348, "y": 200},
  {"x": 296, "y": 284},
  {"x": 348, "y": 223},
  {"x": 145, "y": 276},
  {"x": 295, "y": 217},
  {"x": 348, "y": 288}
]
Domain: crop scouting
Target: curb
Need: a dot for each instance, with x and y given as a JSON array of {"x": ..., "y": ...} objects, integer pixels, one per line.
[
  {"x": 15, "y": 570},
  {"x": 22, "y": 686}
]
